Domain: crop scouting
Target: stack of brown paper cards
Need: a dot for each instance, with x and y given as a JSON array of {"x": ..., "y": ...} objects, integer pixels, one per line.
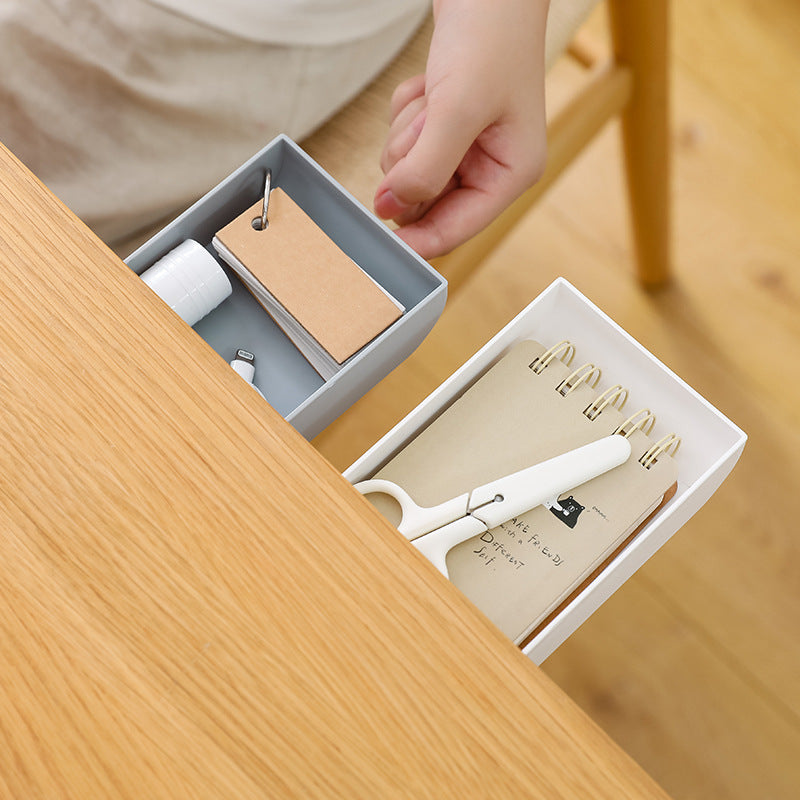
[{"x": 324, "y": 302}]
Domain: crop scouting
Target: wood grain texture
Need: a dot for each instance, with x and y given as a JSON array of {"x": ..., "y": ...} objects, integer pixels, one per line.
[{"x": 193, "y": 603}]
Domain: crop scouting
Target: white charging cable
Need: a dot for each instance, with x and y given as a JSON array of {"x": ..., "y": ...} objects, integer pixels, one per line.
[{"x": 244, "y": 363}]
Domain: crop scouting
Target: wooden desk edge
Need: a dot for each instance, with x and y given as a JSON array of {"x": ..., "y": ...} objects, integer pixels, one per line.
[{"x": 183, "y": 619}]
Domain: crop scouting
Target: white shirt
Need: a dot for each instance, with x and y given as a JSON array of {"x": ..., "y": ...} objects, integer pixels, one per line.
[{"x": 296, "y": 22}]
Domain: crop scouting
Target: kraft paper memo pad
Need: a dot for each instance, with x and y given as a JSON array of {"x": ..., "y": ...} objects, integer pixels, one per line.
[
  {"x": 325, "y": 303},
  {"x": 531, "y": 406}
]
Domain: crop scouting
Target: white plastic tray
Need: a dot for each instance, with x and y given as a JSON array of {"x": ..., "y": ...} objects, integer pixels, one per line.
[{"x": 711, "y": 442}]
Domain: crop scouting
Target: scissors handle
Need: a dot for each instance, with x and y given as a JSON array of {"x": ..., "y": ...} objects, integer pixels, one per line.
[
  {"x": 416, "y": 520},
  {"x": 504, "y": 498}
]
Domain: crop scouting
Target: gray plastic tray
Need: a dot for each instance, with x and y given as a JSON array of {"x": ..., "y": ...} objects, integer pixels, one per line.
[{"x": 286, "y": 379}]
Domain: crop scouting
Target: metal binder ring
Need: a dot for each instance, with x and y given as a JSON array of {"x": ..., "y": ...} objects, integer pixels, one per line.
[{"x": 260, "y": 223}]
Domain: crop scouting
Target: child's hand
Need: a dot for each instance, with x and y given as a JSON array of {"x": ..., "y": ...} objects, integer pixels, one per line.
[{"x": 468, "y": 137}]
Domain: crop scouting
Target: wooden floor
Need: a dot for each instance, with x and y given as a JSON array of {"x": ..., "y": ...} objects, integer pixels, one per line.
[{"x": 694, "y": 665}]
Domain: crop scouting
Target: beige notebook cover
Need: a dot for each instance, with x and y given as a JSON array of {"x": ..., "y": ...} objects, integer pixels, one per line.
[
  {"x": 319, "y": 286},
  {"x": 511, "y": 418}
]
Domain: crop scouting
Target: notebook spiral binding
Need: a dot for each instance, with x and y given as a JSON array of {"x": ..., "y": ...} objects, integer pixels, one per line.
[
  {"x": 564, "y": 351},
  {"x": 643, "y": 420},
  {"x": 583, "y": 374},
  {"x": 668, "y": 445},
  {"x": 616, "y": 396}
]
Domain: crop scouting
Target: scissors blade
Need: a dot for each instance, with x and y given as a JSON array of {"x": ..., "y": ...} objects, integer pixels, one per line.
[
  {"x": 437, "y": 544},
  {"x": 506, "y": 497}
]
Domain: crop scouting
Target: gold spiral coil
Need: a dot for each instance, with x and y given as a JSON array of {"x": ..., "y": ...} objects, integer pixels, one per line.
[
  {"x": 615, "y": 396},
  {"x": 584, "y": 374},
  {"x": 668, "y": 445},
  {"x": 643, "y": 420},
  {"x": 565, "y": 351}
]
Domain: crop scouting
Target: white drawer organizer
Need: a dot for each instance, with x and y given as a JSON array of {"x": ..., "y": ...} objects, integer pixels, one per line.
[{"x": 711, "y": 443}]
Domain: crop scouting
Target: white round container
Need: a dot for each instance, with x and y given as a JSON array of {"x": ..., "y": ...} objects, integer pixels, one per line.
[{"x": 189, "y": 280}]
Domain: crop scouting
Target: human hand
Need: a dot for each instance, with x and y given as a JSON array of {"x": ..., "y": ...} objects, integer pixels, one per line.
[{"x": 468, "y": 136}]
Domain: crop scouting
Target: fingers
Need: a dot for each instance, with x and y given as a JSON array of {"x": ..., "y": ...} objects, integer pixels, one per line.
[
  {"x": 489, "y": 186},
  {"x": 403, "y": 133},
  {"x": 407, "y": 215},
  {"x": 466, "y": 206},
  {"x": 407, "y": 105},
  {"x": 456, "y": 217},
  {"x": 406, "y": 92},
  {"x": 444, "y": 133},
  {"x": 422, "y": 158}
]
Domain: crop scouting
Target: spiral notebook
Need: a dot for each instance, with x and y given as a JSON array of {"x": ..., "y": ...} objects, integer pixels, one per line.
[{"x": 530, "y": 406}]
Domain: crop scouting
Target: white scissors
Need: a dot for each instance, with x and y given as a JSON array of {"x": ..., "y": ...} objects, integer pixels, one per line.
[{"x": 437, "y": 529}]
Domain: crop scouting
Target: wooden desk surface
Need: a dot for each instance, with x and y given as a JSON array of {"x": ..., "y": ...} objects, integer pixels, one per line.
[{"x": 193, "y": 603}]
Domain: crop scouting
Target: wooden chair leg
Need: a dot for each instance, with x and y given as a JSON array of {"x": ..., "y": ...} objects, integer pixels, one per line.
[{"x": 639, "y": 30}]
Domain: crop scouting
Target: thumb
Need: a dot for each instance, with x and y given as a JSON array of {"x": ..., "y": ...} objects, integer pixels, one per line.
[{"x": 447, "y": 132}]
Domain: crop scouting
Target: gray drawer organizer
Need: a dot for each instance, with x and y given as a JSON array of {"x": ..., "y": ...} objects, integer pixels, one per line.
[{"x": 286, "y": 379}]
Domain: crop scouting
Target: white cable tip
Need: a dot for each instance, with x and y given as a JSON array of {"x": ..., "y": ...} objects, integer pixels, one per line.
[{"x": 244, "y": 364}]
